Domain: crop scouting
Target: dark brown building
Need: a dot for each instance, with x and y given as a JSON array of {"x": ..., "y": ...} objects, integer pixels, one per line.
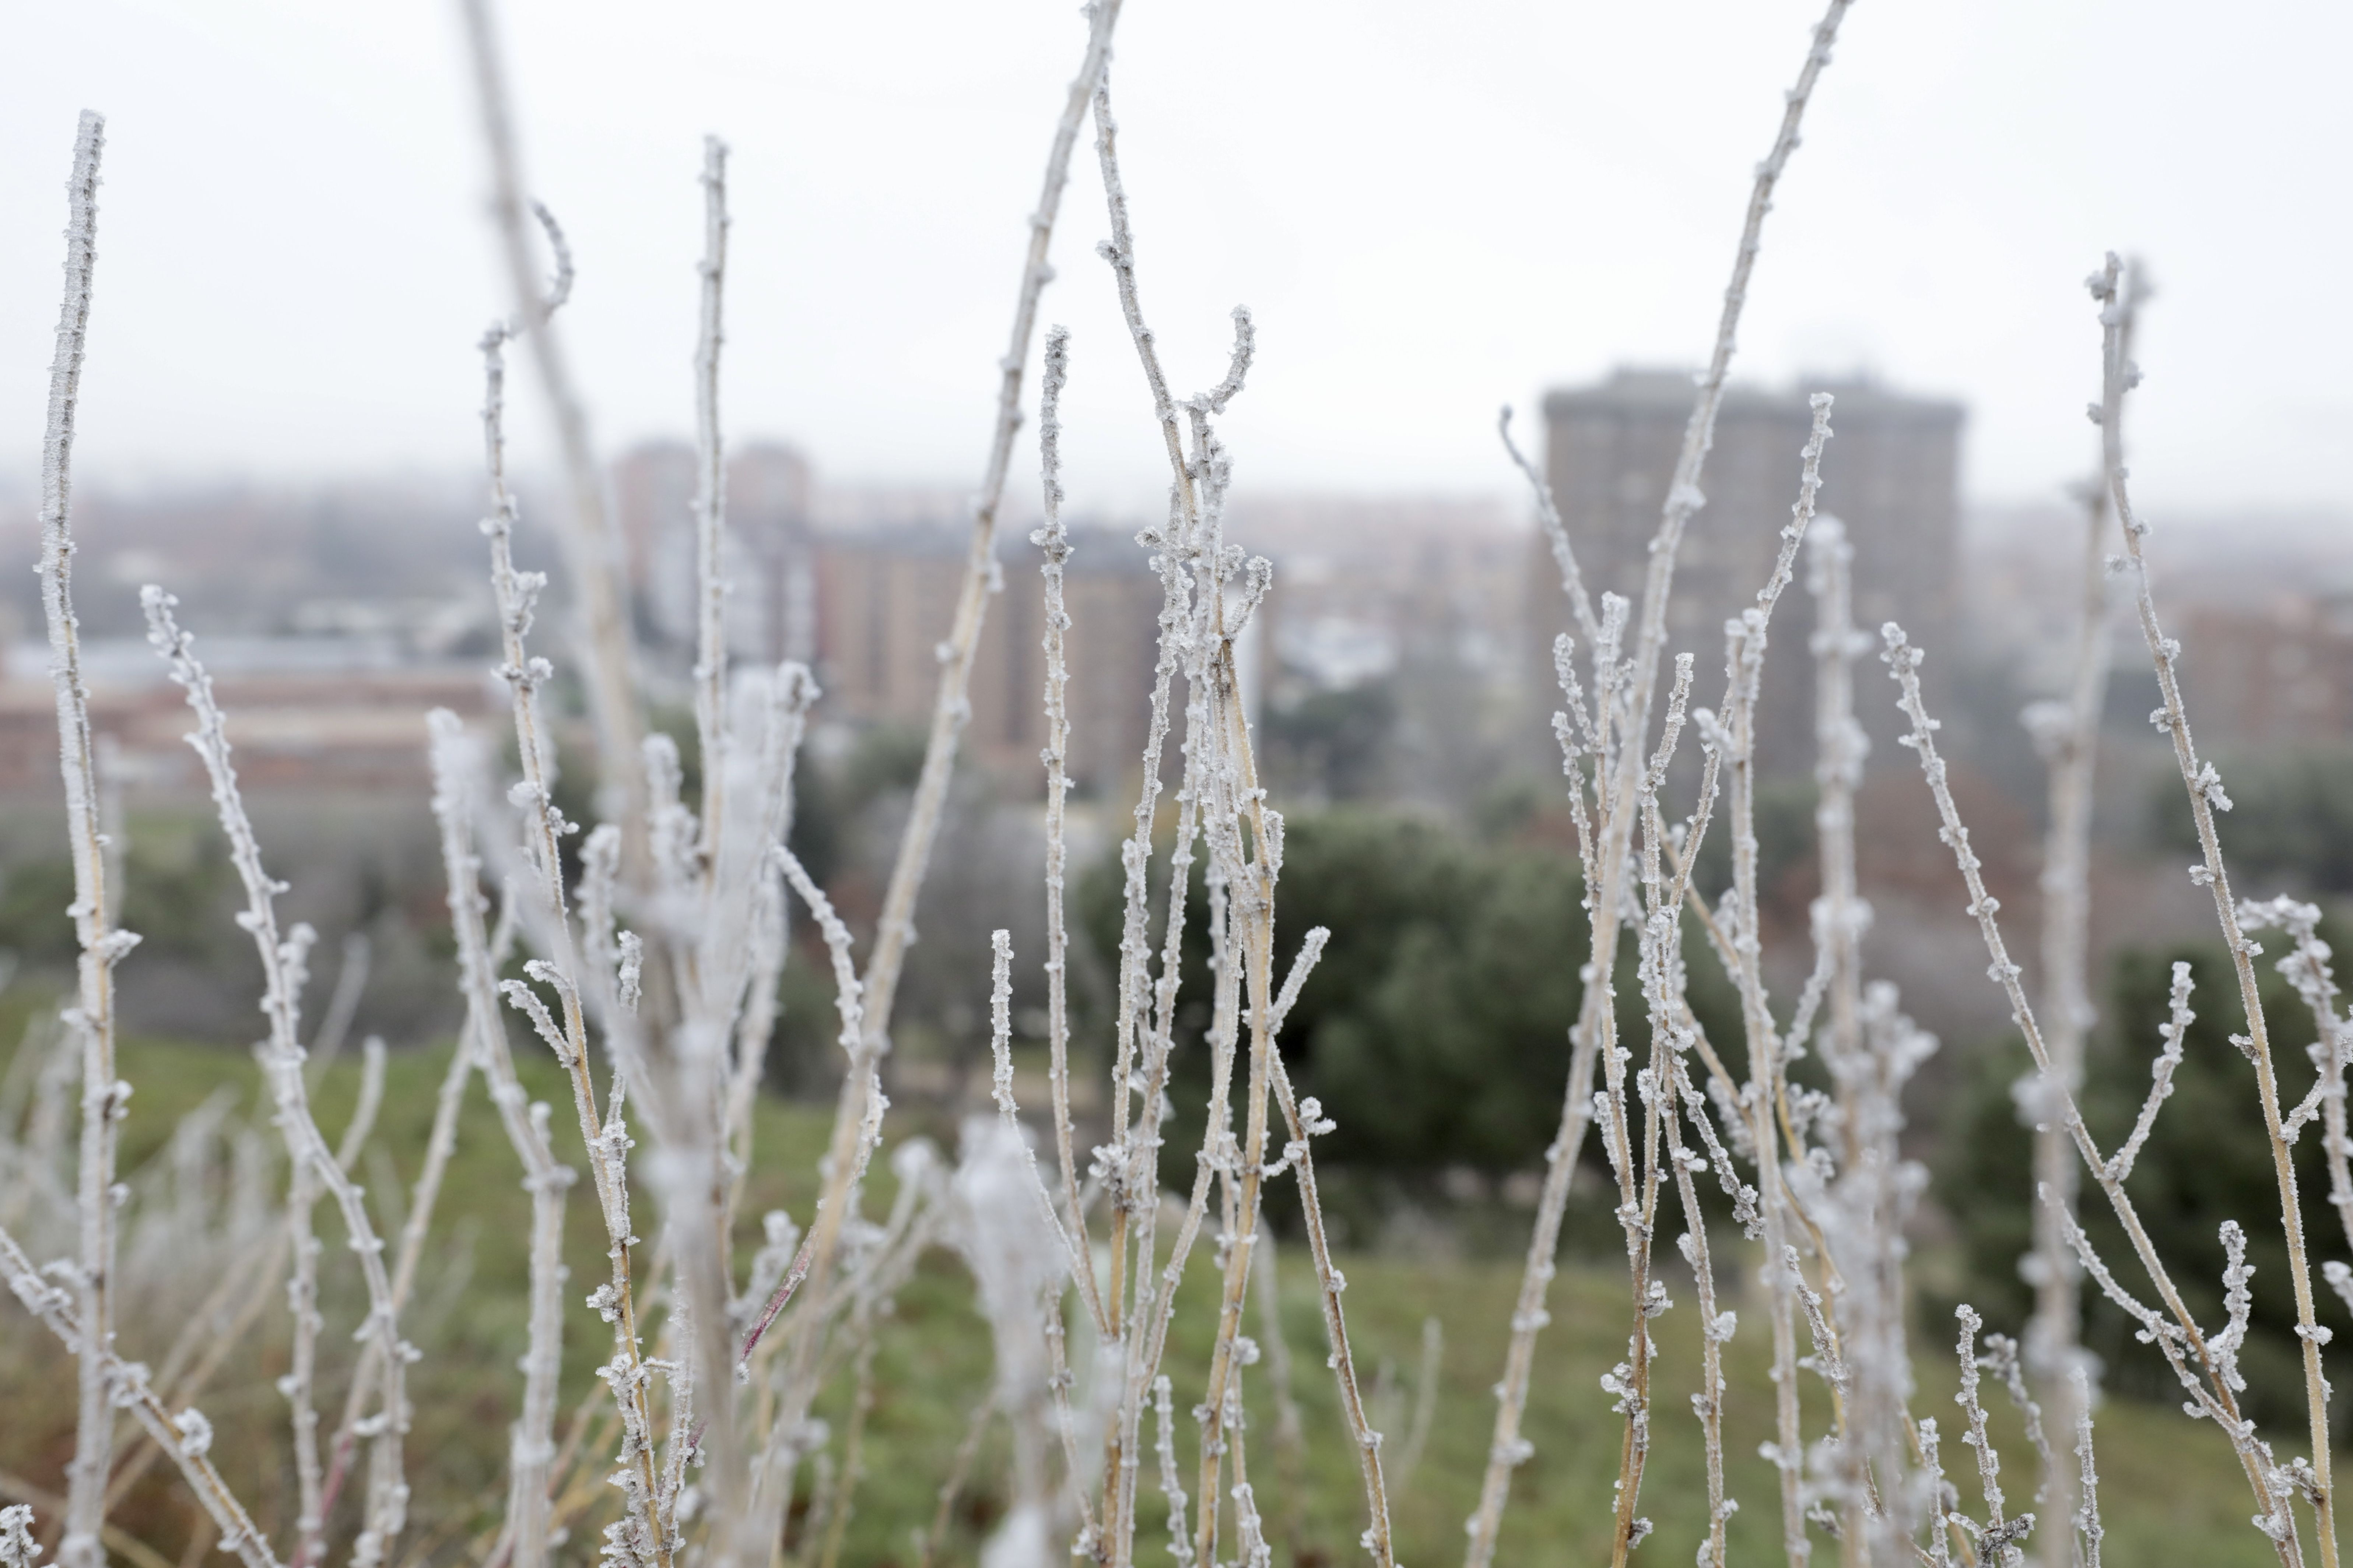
[{"x": 1890, "y": 472}]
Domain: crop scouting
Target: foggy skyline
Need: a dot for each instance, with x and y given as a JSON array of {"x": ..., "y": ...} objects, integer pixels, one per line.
[{"x": 1428, "y": 211}]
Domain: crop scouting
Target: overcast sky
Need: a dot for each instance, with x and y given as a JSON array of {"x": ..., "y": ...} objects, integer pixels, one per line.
[{"x": 1431, "y": 209}]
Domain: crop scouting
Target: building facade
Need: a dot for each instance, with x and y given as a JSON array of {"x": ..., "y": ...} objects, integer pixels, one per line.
[
  {"x": 885, "y": 600},
  {"x": 1892, "y": 473}
]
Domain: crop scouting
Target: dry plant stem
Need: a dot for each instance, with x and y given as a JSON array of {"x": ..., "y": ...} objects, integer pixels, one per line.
[
  {"x": 101, "y": 945},
  {"x": 896, "y": 927},
  {"x": 733, "y": 872},
  {"x": 591, "y": 550},
  {"x": 2214, "y": 1396},
  {"x": 301, "y": 1378},
  {"x": 1764, "y": 1093},
  {"x": 1766, "y": 1087},
  {"x": 318, "y": 1495},
  {"x": 853, "y": 1136},
  {"x": 2088, "y": 1512},
  {"x": 517, "y": 593},
  {"x": 1141, "y": 1160},
  {"x": 1708, "y": 1403},
  {"x": 2118, "y": 298},
  {"x": 2052, "y": 1332},
  {"x": 753, "y": 976},
  {"x": 1258, "y": 962},
  {"x": 485, "y": 1043},
  {"x": 1507, "y": 1449},
  {"x": 1638, "y": 1172},
  {"x": 1869, "y": 1309},
  {"x": 186, "y": 1437},
  {"x": 1054, "y": 540},
  {"x": 281, "y": 966},
  {"x": 1155, "y": 1310},
  {"x": 711, "y": 507}
]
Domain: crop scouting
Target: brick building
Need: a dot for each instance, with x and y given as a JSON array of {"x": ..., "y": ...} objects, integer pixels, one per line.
[{"x": 885, "y": 599}]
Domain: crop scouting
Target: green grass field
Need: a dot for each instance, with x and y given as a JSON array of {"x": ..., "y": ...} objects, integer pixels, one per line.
[{"x": 2171, "y": 1491}]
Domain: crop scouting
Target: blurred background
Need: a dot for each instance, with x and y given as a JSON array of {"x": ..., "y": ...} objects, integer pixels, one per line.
[{"x": 1432, "y": 212}]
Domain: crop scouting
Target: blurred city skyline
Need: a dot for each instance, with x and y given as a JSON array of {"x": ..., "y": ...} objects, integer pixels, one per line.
[{"x": 1440, "y": 211}]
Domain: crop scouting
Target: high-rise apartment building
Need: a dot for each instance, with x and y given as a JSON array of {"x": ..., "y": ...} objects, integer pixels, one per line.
[{"x": 1891, "y": 473}]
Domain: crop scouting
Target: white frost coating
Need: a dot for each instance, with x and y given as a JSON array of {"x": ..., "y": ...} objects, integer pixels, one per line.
[
  {"x": 17, "y": 1547},
  {"x": 2307, "y": 966},
  {"x": 2174, "y": 1033}
]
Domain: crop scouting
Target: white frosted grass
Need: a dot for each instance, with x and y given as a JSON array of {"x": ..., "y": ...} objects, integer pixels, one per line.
[
  {"x": 526, "y": 1125},
  {"x": 641, "y": 1535},
  {"x": 282, "y": 1060},
  {"x": 2067, "y": 734},
  {"x": 1605, "y": 875},
  {"x": 2118, "y": 296},
  {"x": 2173, "y": 1330},
  {"x": 187, "y": 1436}
]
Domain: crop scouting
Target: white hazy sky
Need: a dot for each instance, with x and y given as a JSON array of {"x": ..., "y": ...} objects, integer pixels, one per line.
[{"x": 1431, "y": 209}]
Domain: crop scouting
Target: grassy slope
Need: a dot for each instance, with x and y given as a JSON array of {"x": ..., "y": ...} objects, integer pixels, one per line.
[{"x": 2172, "y": 1493}]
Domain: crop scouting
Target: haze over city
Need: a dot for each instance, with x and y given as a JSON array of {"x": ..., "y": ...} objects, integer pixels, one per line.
[{"x": 1431, "y": 210}]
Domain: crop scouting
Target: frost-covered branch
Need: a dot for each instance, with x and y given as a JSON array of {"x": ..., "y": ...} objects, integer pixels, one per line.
[
  {"x": 591, "y": 552},
  {"x": 283, "y": 1059},
  {"x": 102, "y": 946},
  {"x": 2118, "y": 296}
]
